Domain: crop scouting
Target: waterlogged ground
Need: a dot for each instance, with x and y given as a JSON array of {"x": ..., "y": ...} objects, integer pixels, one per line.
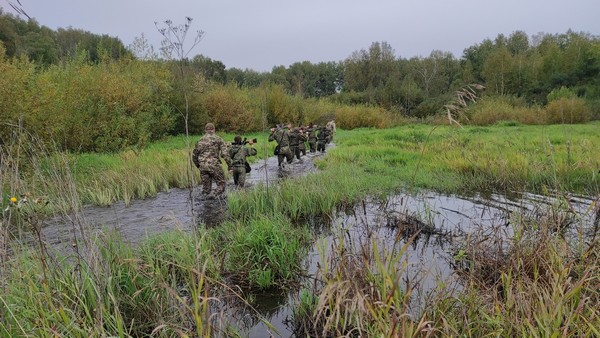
[{"x": 437, "y": 223}]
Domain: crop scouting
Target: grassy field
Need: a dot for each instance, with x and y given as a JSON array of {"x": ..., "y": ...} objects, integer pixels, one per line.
[{"x": 537, "y": 284}]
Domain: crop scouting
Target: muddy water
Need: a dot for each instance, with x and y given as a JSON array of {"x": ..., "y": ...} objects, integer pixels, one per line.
[{"x": 446, "y": 218}]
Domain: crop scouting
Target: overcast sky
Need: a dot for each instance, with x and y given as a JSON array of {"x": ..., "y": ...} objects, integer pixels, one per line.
[{"x": 260, "y": 34}]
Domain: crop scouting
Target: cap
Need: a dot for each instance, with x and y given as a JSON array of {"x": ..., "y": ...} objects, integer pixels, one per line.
[{"x": 209, "y": 126}]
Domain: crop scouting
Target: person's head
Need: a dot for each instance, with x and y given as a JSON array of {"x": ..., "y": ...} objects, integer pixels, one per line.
[
  {"x": 290, "y": 126},
  {"x": 237, "y": 139},
  {"x": 209, "y": 128}
]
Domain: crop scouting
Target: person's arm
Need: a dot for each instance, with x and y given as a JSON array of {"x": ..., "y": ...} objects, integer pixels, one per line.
[
  {"x": 195, "y": 155},
  {"x": 225, "y": 153}
]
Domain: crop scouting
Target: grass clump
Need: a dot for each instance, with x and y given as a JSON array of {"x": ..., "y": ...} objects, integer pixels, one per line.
[
  {"x": 263, "y": 253},
  {"x": 360, "y": 293}
]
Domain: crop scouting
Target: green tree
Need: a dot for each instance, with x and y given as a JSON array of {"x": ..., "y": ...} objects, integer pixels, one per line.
[{"x": 496, "y": 70}]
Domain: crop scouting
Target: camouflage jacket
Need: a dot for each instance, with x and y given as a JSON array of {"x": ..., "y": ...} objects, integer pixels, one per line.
[
  {"x": 208, "y": 152},
  {"x": 312, "y": 134},
  {"x": 295, "y": 138},
  {"x": 238, "y": 154},
  {"x": 281, "y": 136},
  {"x": 323, "y": 133}
]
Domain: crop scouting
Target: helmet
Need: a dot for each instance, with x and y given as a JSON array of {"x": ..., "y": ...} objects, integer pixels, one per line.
[{"x": 209, "y": 126}]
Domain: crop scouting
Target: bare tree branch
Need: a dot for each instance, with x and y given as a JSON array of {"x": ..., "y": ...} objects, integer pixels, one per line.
[{"x": 18, "y": 8}]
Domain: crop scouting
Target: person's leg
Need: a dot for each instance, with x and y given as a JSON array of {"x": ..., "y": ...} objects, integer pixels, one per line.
[
  {"x": 236, "y": 176},
  {"x": 219, "y": 177},
  {"x": 241, "y": 176},
  {"x": 206, "y": 182}
]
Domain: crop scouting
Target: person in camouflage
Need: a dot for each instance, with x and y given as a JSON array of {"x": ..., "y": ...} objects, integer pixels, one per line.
[
  {"x": 282, "y": 136},
  {"x": 238, "y": 153},
  {"x": 331, "y": 130},
  {"x": 312, "y": 137},
  {"x": 322, "y": 138},
  {"x": 207, "y": 155},
  {"x": 296, "y": 138},
  {"x": 303, "y": 139}
]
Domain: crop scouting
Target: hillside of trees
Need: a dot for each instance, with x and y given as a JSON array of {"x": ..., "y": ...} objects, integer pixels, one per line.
[{"x": 89, "y": 92}]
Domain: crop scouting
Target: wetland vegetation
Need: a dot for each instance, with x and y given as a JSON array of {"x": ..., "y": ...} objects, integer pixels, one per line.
[{"x": 93, "y": 124}]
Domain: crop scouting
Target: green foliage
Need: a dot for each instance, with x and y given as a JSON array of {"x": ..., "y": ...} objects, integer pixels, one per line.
[
  {"x": 265, "y": 252},
  {"x": 561, "y": 93},
  {"x": 14, "y": 96},
  {"x": 228, "y": 107},
  {"x": 490, "y": 110},
  {"x": 46, "y": 47},
  {"x": 567, "y": 110},
  {"x": 83, "y": 107},
  {"x": 131, "y": 293}
]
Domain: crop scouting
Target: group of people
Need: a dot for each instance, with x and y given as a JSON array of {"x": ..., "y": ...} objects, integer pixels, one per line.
[{"x": 291, "y": 142}]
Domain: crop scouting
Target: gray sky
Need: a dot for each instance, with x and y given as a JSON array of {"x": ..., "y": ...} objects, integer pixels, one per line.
[{"x": 260, "y": 34}]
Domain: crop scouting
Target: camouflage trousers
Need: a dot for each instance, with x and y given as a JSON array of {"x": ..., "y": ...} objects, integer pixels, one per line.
[
  {"x": 285, "y": 153},
  {"x": 209, "y": 175},
  {"x": 313, "y": 146},
  {"x": 295, "y": 151},
  {"x": 321, "y": 145},
  {"x": 239, "y": 176},
  {"x": 302, "y": 149}
]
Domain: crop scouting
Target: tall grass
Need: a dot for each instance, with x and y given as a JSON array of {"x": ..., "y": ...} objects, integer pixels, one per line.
[
  {"x": 535, "y": 284},
  {"x": 265, "y": 252},
  {"x": 361, "y": 292},
  {"x": 153, "y": 290},
  {"x": 538, "y": 282}
]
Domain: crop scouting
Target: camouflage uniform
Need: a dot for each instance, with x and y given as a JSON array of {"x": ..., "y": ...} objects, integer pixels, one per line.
[
  {"x": 312, "y": 138},
  {"x": 331, "y": 128},
  {"x": 322, "y": 137},
  {"x": 282, "y": 137},
  {"x": 207, "y": 157},
  {"x": 295, "y": 139},
  {"x": 302, "y": 144},
  {"x": 238, "y": 153}
]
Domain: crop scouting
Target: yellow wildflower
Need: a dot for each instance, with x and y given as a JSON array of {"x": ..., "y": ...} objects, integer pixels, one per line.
[{"x": 13, "y": 199}]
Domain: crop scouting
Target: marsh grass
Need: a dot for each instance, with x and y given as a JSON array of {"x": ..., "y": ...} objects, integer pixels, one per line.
[
  {"x": 165, "y": 287},
  {"x": 535, "y": 284},
  {"x": 494, "y": 158},
  {"x": 363, "y": 290},
  {"x": 533, "y": 279},
  {"x": 263, "y": 253}
]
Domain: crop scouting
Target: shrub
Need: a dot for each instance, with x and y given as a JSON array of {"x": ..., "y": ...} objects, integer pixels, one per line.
[
  {"x": 491, "y": 110},
  {"x": 567, "y": 110},
  {"x": 349, "y": 117},
  {"x": 228, "y": 107}
]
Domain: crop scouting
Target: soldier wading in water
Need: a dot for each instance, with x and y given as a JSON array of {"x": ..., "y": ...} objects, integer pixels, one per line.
[
  {"x": 207, "y": 155},
  {"x": 238, "y": 153},
  {"x": 281, "y": 135}
]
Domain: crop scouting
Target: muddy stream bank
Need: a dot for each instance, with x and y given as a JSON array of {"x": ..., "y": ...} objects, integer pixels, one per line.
[{"x": 435, "y": 220}]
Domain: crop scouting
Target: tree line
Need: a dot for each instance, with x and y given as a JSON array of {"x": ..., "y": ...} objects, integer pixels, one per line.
[{"x": 89, "y": 92}]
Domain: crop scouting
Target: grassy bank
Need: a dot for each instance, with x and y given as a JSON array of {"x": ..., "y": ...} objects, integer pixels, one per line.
[
  {"x": 497, "y": 158},
  {"x": 504, "y": 158}
]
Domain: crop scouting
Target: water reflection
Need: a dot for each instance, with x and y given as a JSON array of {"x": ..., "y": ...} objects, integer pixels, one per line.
[{"x": 212, "y": 212}]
